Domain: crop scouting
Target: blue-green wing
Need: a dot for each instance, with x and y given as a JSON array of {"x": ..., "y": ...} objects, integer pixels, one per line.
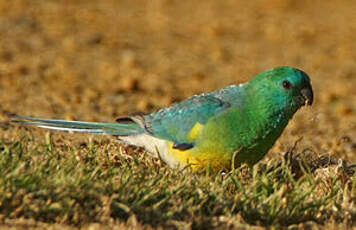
[{"x": 174, "y": 123}]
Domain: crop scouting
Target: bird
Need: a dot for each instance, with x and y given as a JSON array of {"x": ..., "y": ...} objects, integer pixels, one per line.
[{"x": 220, "y": 130}]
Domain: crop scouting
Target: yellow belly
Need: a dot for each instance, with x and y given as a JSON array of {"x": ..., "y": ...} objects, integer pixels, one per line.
[{"x": 198, "y": 160}]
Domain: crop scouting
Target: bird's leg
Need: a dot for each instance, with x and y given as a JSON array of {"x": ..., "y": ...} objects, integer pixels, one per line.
[{"x": 233, "y": 158}]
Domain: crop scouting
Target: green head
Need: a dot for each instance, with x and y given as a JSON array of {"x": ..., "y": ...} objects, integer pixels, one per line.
[{"x": 282, "y": 89}]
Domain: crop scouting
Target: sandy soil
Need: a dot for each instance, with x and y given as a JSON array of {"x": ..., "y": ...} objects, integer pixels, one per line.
[{"x": 96, "y": 60}]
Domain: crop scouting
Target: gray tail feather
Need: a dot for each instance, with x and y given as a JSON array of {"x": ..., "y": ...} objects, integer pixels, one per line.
[{"x": 79, "y": 126}]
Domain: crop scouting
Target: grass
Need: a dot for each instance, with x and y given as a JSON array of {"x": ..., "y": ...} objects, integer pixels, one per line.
[{"x": 48, "y": 181}]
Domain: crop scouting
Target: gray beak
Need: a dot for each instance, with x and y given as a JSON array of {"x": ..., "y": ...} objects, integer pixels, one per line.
[{"x": 307, "y": 95}]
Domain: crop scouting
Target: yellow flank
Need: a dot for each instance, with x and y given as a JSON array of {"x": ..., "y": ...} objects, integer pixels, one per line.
[
  {"x": 211, "y": 158},
  {"x": 195, "y": 131},
  {"x": 198, "y": 160}
]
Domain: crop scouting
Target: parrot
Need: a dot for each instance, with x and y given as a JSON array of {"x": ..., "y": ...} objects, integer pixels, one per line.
[{"x": 221, "y": 129}]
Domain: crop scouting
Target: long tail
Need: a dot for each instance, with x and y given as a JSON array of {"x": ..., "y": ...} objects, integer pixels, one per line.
[{"x": 80, "y": 126}]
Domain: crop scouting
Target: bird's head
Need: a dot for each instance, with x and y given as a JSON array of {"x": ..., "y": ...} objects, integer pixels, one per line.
[{"x": 285, "y": 88}]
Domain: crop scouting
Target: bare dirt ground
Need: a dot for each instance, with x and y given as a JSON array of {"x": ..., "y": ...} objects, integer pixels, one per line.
[{"x": 97, "y": 60}]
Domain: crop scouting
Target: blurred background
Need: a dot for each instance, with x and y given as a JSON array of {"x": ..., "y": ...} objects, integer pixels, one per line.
[{"x": 96, "y": 60}]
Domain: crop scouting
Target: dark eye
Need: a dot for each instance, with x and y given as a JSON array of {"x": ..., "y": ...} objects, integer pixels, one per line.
[{"x": 287, "y": 85}]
